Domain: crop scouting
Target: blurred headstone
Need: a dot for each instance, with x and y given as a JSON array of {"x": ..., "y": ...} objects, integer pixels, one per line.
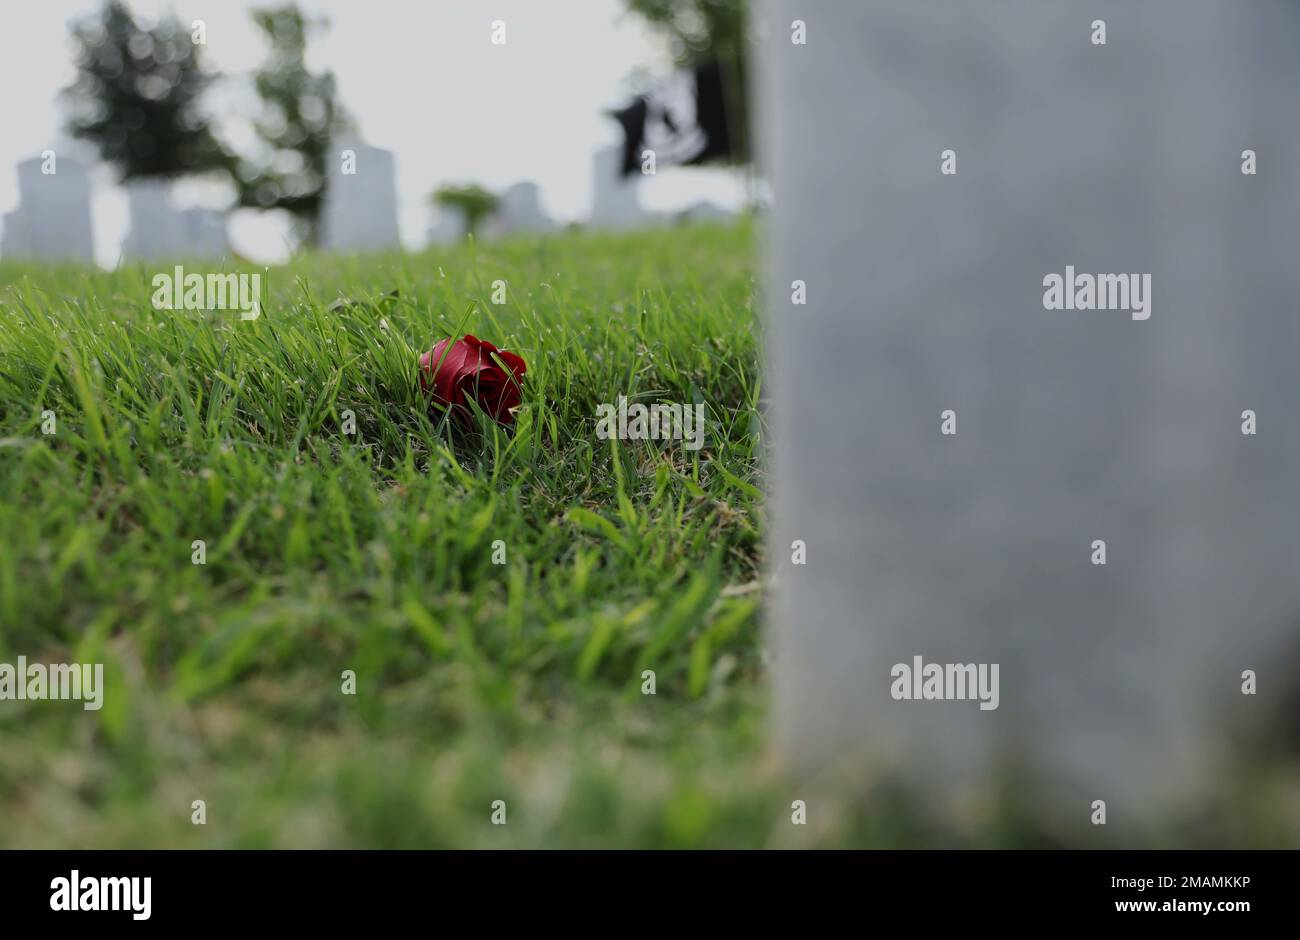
[
  {"x": 906, "y": 300},
  {"x": 360, "y": 212},
  {"x": 449, "y": 228},
  {"x": 205, "y": 233},
  {"x": 614, "y": 203},
  {"x": 156, "y": 232},
  {"x": 519, "y": 210},
  {"x": 52, "y": 220},
  {"x": 13, "y": 237},
  {"x": 159, "y": 231}
]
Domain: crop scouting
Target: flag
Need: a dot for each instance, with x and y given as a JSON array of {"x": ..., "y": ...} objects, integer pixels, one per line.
[{"x": 684, "y": 121}]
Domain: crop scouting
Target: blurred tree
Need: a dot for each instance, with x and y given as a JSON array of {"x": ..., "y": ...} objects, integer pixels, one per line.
[
  {"x": 700, "y": 30},
  {"x": 473, "y": 201},
  {"x": 299, "y": 118},
  {"x": 136, "y": 96}
]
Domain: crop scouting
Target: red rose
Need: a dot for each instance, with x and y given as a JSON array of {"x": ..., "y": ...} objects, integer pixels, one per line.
[{"x": 475, "y": 369}]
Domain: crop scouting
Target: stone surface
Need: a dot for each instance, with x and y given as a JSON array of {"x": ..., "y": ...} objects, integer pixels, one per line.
[
  {"x": 160, "y": 232},
  {"x": 448, "y": 227},
  {"x": 360, "y": 212},
  {"x": 52, "y": 220},
  {"x": 614, "y": 204},
  {"x": 519, "y": 211},
  {"x": 925, "y": 293},
  {"x": 205, "y": 233},
  {"x": 155, "y": 231}
]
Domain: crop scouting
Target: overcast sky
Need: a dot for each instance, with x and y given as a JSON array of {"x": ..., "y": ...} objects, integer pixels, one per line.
[{"x": 421, "y": 77}]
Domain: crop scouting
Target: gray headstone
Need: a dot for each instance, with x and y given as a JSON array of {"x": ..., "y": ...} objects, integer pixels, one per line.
[
  {"x": 161, "y": 232},
  {"x": 519, "y": 210},
  {"x": 52, "y": 221},
  {"x": 14, "y": 241},
  {"x": 156, "y": 230},
  {"x": 614, "y": 203},
  {"x": 449, "y": 227},
  {"x": 360, "y": 212},
  {"x": 925, "y": 293},
  {"x": 204, "y": 233}
]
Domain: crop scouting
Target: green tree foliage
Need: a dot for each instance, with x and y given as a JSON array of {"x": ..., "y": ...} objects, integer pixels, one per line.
[
  {"x": 474, "y": 202},
  {"x": 299, "y": 117},
  {"x": 700, "y": 30},
  {"x": 136, "y": 96}
]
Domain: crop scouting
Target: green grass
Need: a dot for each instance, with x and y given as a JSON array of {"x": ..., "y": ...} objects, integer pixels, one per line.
[
  {"x": 373, "y": 553},
  {"x": 475, "y": 682}
]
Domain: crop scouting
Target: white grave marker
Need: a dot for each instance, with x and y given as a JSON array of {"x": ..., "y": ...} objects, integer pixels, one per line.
[
  {"x": 360, "y": 211},
  {"x": 614, "y": 203},
  {"x": 519, "y": 210},
  {"x": 205, "y": 233},
  {"x": 949, "y": 450},
  {"x": 156, "y": 231},
  {"x": 52, "y": 221},
  {"x": 448, "y": 228}
]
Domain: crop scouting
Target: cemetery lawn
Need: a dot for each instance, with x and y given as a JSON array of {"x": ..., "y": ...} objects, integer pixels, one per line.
[{"x": 475, "y": 682}]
